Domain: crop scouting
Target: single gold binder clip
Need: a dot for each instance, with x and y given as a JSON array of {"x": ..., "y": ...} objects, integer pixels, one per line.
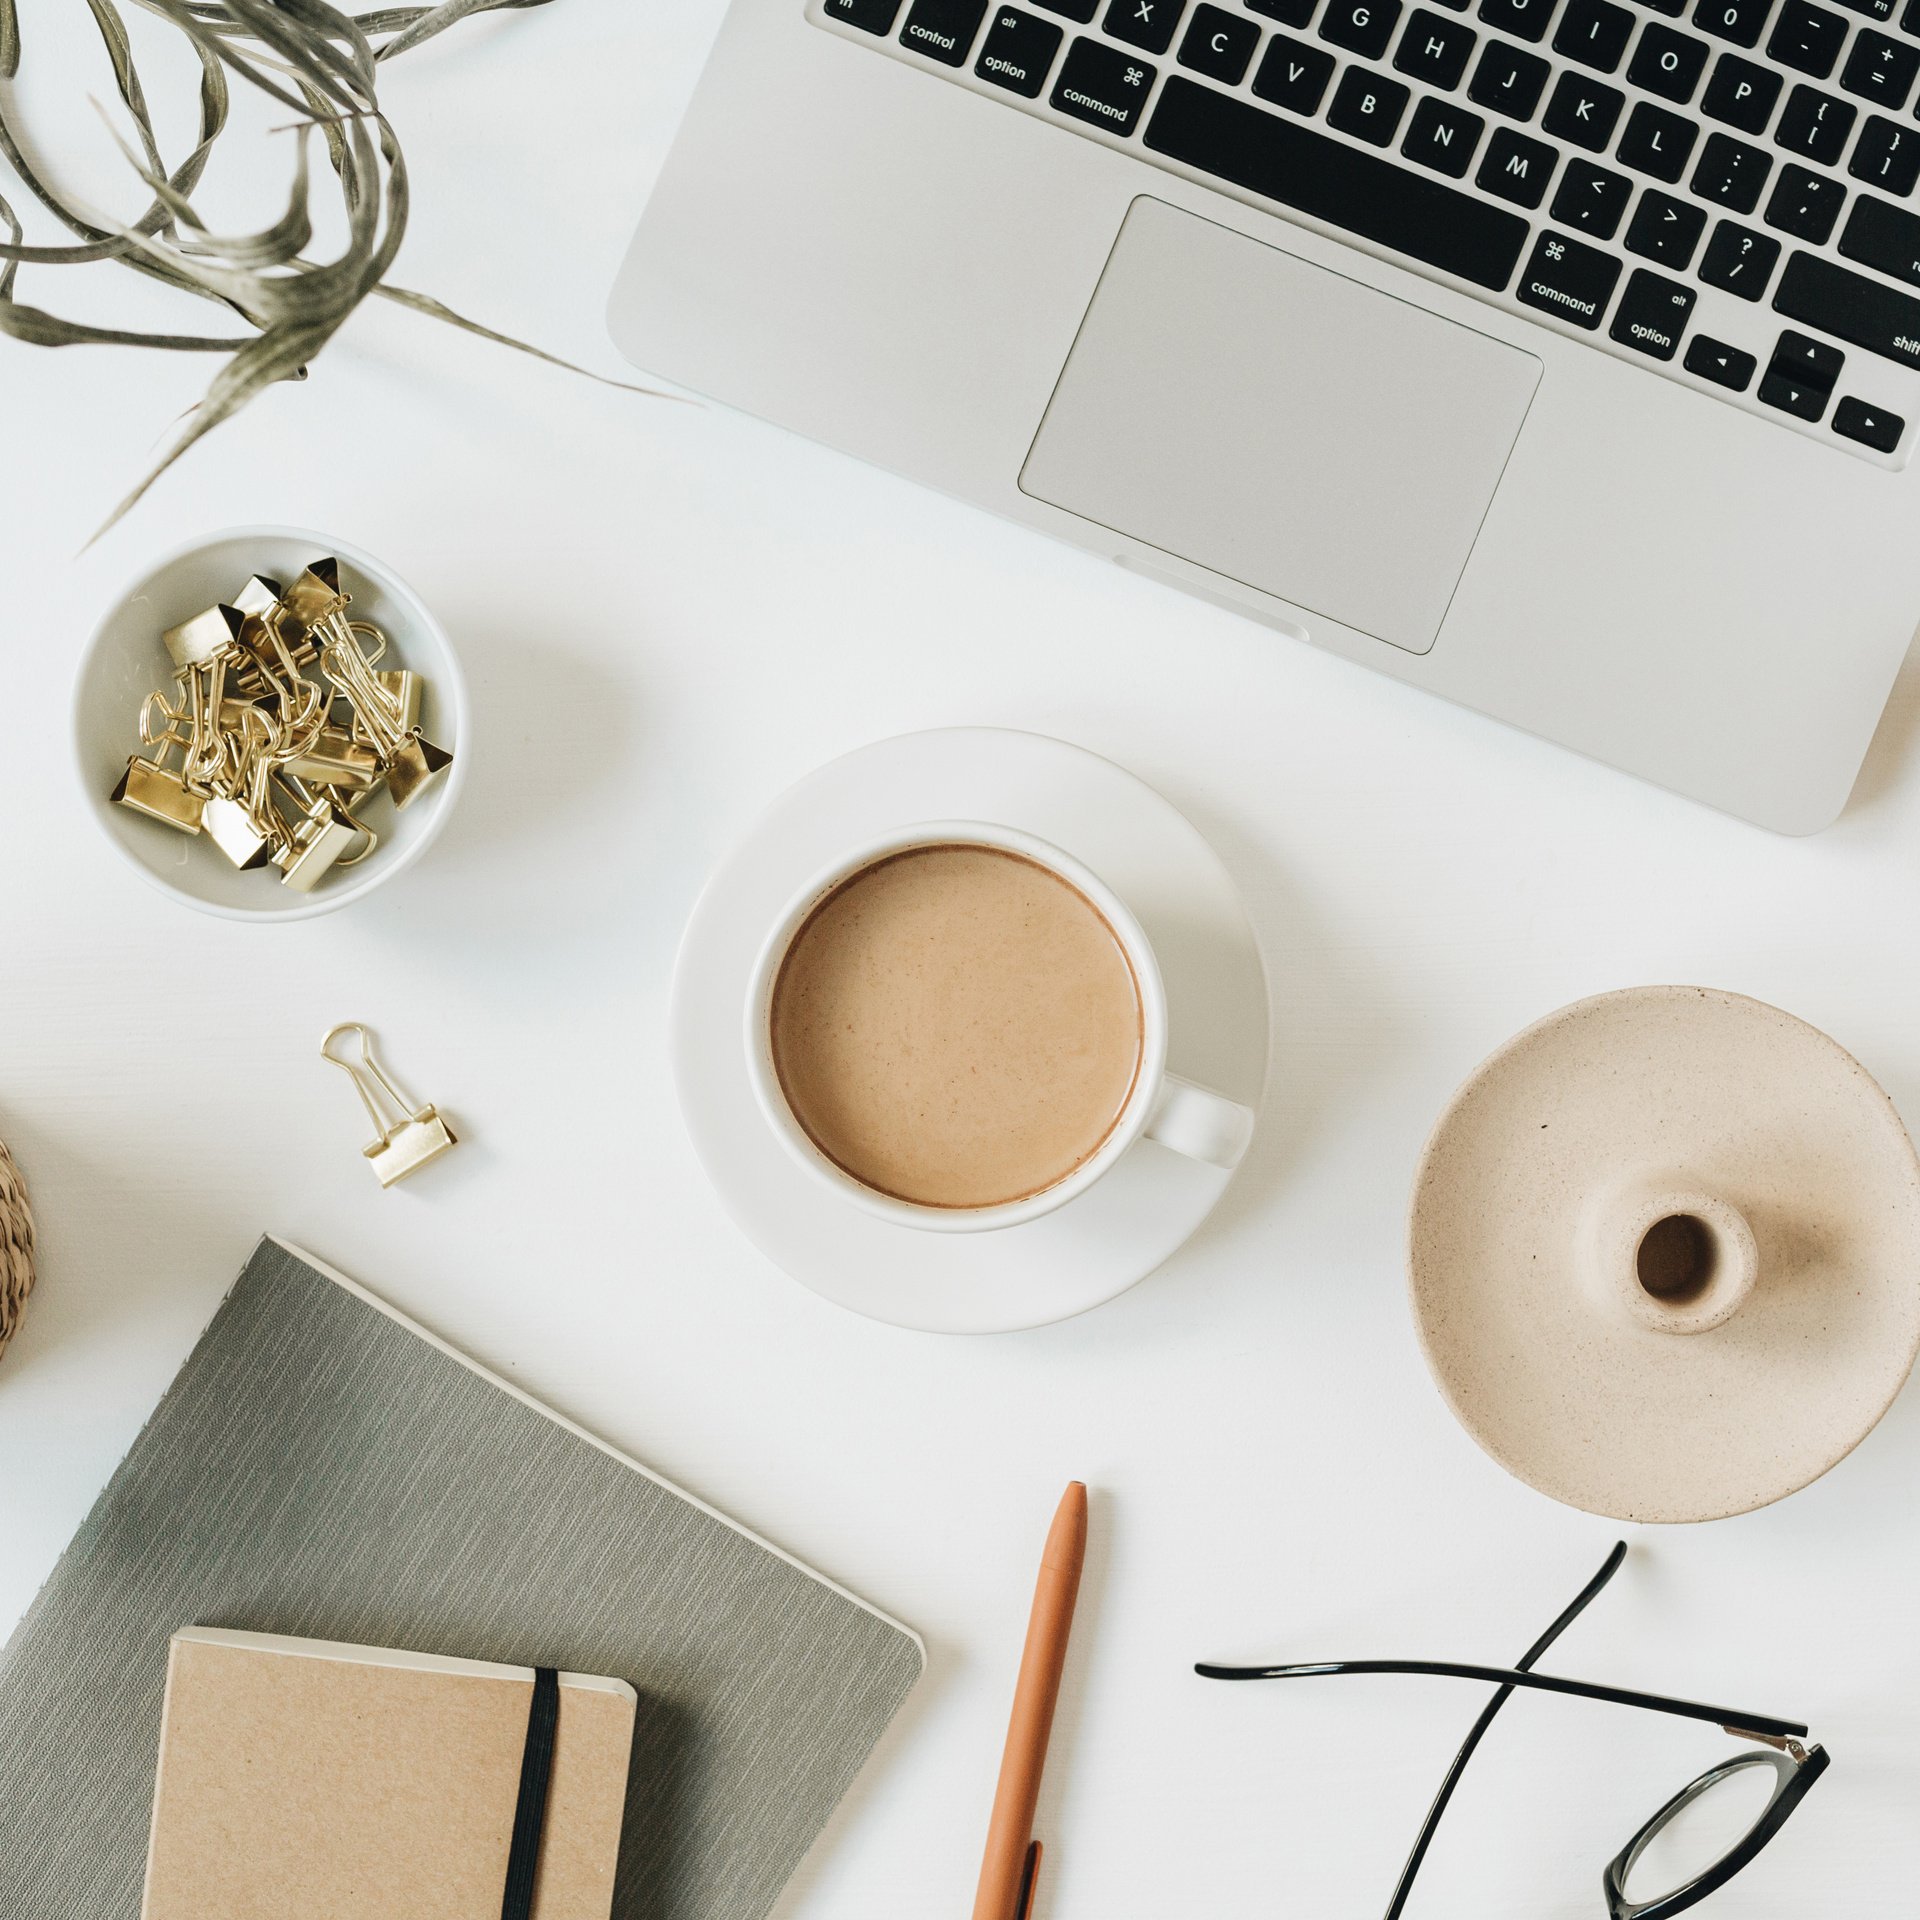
[
  {"x": 334, "y": 758},
  {"x": 161, "y": 792},
  {"x": 317, "y": 838},
  {"x": 239, "y": 816},
  {"x": 408, "y": 1137},
  {"x": 313, "y": 597},
  {"x": 410, "y": 761},
  {"x": 194, "y": 642}
]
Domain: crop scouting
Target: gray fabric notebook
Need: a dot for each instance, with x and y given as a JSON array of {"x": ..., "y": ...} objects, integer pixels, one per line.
[{"x": 322, "y": 1466}]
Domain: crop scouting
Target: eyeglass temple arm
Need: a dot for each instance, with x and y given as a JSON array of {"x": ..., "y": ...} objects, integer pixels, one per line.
[
  {"x": 1724, "y": 1717},
  {"x": 1416, "y": 1857}
]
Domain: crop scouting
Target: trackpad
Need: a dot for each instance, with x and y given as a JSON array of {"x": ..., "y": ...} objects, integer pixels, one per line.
[{"x": 1281, "y": 424}]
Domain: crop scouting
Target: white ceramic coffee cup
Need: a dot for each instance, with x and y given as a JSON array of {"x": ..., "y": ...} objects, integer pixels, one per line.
[{"x": 1191, "y": 1120}]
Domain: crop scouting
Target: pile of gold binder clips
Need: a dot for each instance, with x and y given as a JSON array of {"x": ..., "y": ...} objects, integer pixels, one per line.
[{"x": 286, "y": 721}]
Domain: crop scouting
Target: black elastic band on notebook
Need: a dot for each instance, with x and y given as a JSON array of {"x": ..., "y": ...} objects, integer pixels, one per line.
[{"x": 530, "y": 1812}]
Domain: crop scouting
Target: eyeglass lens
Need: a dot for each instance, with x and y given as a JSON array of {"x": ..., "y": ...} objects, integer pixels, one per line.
[{"x": 1701, "y": 1828}]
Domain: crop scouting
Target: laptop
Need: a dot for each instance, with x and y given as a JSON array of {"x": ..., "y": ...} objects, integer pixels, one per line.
[{"x": 1559, "y": 356}]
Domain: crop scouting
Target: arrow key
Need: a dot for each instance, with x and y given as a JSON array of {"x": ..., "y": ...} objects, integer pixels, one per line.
[
  {"x": 1873, "y": 427},
  {"x": 1725, "y": 366},
  {"x": 1793, "y": 396},
  {"x": 1808, "y": 362}
]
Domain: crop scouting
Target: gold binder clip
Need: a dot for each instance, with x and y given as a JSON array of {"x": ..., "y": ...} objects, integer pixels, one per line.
[
  {"x": 239, "y": 817},
  {"x": 313, "y": 598},
  {"x": 336, "y": 759},
  {"x": 407, "y": 1137},
  {"x": 317, "y": 837},
  {"x": 410, "y": 761},
  {"x": 194, "y": 642},
  {"x": 161, "y": 792}
]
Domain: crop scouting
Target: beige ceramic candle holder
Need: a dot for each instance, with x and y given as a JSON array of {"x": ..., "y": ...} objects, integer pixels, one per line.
[{"x": 1665, "y": 1254}]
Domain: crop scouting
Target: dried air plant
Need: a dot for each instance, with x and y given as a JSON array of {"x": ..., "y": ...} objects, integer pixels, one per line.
[{"x": 320, "y": 64}]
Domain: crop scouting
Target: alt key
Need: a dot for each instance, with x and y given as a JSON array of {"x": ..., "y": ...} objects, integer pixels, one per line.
[{"x": 1652, "y": 314}]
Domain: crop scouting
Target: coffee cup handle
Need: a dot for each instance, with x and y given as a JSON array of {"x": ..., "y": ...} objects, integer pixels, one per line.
[{"x": 1200, "y": 1123}]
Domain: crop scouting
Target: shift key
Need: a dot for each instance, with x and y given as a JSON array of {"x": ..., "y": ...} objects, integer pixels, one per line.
[
  {"x": 1851, "y": 307},
  {"x": 1879, "y": 234},
  {"x": 1566, "y": 278}
]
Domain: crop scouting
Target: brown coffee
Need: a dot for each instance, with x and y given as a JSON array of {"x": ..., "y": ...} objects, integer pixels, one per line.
[{"x": 956, "y": 1026}]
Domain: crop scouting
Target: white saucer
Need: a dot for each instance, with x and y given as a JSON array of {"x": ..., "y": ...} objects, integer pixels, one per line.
[{"x": 1149, "y": 854}]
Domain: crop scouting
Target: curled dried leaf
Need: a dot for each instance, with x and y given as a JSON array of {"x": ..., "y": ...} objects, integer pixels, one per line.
[{"x": 323, "y": 66}]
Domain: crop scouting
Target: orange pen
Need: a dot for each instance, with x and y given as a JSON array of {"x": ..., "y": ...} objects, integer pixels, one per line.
[{"x": 1012, "y": 1866}]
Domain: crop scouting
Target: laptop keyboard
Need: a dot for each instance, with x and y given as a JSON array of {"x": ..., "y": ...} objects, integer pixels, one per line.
[{"x": 1717, "y": 190}]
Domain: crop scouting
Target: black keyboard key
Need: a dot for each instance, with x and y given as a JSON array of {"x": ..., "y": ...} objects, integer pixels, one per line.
[
  {"x": 1667, "y": 63},
  {"x": 1851, "y": 307},
  {"x": 1652, "y": 314},
  {"x": 1080, "y": 10},
  {"x": 1564, "y": 277},
  {"x": 1805, "y": 204},
  {"x": 1737, "y": 20},
  {"x": 1524, "y": 19},
  {"x": 1018, "y": 51},
  {"x": 1219, "y": 44},
  {"x": 1657, "y": 142},
  {"x": 1886, "y": 156},
  {"x": 1368, "y": 106},
  {"x": 1147, "y": 24},
  {"x": 1102, "y": 86},
  {"x": 1816, "y": 362},
  {"x": 876, "y": 16},
  {"x": 1873, "y": 9},
  {"x": 1873, "y": 427},
  {"x": 1674, "y": 7},
  {"x": 1731, "y": 173},
  {"x": 1292, "y": 75},
  {"x": 1591, "y": 200},
  {"x": 1816, "y": 124},
  {"x": 1665, "y": 229},
  {"x": 943, "y": 29},
  {"x": 1508, "y": 81},
  {"x": 1792, "y": 396},
  {"x": 1738, "y": 260},
  {"x": 1910, "y": 19},
  {"x": 1883, "y": 236},
  {"x": 1516, "y": 168},
  {"x": 1361, "y": 26},
  {"x": 1582, "y": 111},
  {"x": 1435, "y": 49},
  {"x": 1411, "y": 213},
  {"x": 1741, "y": 94},
  {"x": 1881, "y": 69},
  {"x": 1594, "y": 32},
  {"x": 1725, "y": 366},
  {"x": 1443, "y": 137},
  {"x": 1807, "y": 38},
  {"x": 1293, "y": 13}
]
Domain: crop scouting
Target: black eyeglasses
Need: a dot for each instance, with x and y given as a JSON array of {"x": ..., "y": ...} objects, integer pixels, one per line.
[{"x": 1695, "y": 1844}]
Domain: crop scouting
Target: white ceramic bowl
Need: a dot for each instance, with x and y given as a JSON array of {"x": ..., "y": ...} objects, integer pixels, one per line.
[{"x": 124, "y": 661}]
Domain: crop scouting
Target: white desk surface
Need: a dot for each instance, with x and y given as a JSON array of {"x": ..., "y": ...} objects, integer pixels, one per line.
[{"x": 670, "y": 613}]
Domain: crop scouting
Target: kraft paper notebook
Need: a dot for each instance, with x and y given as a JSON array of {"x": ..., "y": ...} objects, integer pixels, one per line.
[{"x": 322, "y": 1466}]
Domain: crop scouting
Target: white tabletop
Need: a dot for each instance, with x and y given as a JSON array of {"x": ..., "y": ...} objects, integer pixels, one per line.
[{"x": 668, "y": 613}]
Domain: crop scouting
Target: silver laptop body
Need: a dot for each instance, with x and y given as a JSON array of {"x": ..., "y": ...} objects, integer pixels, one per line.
[{"x": 1559, "y": 356}]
